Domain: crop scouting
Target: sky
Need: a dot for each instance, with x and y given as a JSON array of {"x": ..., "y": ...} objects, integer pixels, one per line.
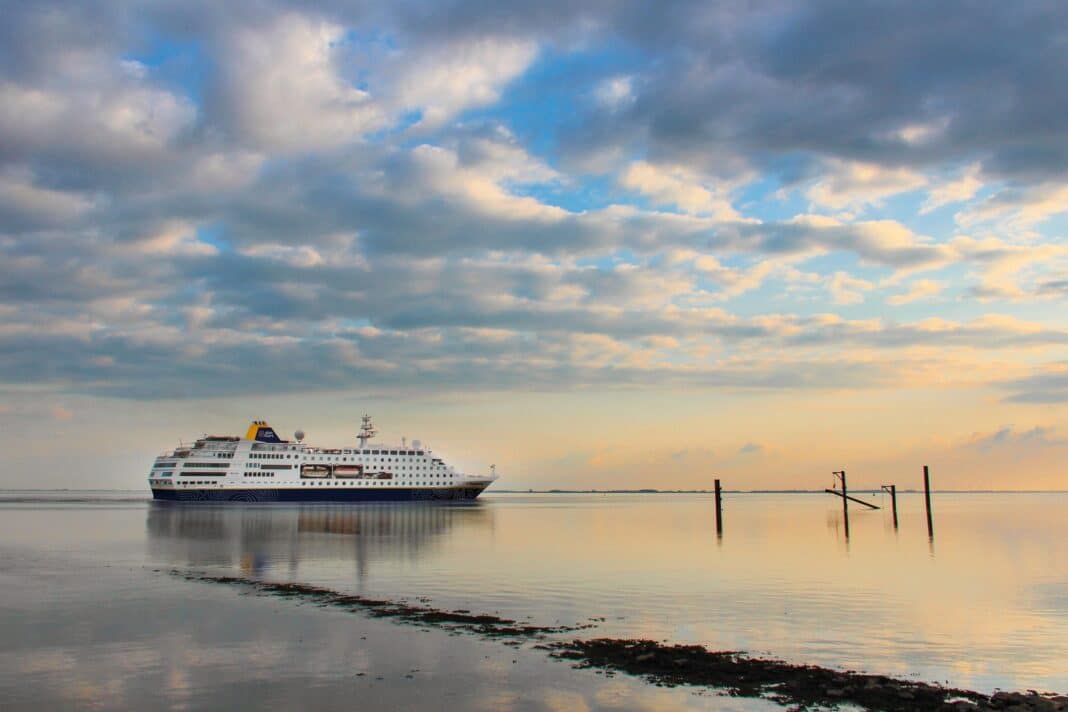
[{"x": 600, "y": 244}]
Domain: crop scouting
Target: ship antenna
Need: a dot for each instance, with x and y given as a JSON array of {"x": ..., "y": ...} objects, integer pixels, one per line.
[{"x": 367, "y": 431}]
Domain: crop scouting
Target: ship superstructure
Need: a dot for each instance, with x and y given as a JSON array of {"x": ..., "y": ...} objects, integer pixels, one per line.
[{"x": 262, "y": 467}]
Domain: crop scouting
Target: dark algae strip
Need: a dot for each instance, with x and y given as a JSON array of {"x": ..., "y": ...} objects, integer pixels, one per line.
[
  {"x": 485, "y": 625},
  {"x": 734, "y": 673},
  {"x": 797, "y": 686}
]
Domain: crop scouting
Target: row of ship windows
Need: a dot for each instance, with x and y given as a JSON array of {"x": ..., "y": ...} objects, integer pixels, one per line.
[
  {"x": 197, "y": 465},
  {"x": 328, "y": 483},
  {"x": 318, "y": 458},
  {"x": 302, "y": 484},
  {"x": 273, "y": 455},
  {"x": 335, "y": 484},
  {"x": 263, "y": 474},
  {"x": 210, "y": 465},
  {"x": 220, "y": 465}
]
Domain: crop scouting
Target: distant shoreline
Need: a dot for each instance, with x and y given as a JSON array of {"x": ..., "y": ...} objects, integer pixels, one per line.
[
  {"x": 624, "y": 491},
  {"x": 766, "y": 491}
]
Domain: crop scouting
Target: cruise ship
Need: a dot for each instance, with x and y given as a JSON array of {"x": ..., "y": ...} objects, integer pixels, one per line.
[{"x": 261, "y": 467}]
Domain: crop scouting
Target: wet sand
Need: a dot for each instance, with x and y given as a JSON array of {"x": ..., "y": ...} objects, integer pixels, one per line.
[
  {"x": 733, "y": 673},
  {"x": 481, "y": 624},
  {"x": 80, "y": 635},
  {"x": 797, "y": 686}
]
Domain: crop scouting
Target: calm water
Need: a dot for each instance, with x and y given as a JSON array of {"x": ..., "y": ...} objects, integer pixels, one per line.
[{"x": 85, "y": 621}]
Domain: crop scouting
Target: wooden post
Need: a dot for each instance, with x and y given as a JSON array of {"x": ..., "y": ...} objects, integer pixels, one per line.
[
  {"x": 851, "y": 498},
  {"x": 845, "y": 504},
  {"x": 927, "y": 500},
  {"x": 892, "y": 490},
  {"x": 719, "y": 510},
  {"x": 845, "y": 495},
  {"x": 893, "y": 502}
]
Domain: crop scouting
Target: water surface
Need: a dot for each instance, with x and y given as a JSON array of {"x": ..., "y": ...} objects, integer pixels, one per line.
[{"x": 87, "y": 620}]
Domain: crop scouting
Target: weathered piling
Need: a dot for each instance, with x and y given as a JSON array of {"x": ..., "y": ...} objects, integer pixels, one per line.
[
  {"x": 845, "y": 502},
  {"x": 851, "y": 498},
  {"x": 927, "y": 500},
  {"x": 719, "y": 510},
  {"x": 893, "y": 502},
  {"x": 892, "y": 489}
]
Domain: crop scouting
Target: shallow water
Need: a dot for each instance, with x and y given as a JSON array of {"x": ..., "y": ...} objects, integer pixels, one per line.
[{"x": 86, "y": 621}]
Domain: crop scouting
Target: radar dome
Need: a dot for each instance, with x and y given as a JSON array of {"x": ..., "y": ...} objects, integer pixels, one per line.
[{"x": 299, "y": 435}]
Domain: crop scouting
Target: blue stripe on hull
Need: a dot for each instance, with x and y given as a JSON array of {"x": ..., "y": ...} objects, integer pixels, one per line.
[{"x": 391, "y": 494}]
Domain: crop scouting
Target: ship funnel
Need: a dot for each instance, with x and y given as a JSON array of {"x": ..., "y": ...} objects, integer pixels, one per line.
[{"x": 260, "y": 431}]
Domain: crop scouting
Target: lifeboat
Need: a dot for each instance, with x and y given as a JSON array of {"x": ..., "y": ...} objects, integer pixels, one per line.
[
  {"x": 315, "y": 472},
  {"x": 349, "y": 471}
]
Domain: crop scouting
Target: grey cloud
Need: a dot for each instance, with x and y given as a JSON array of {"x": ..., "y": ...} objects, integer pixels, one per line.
[
  {"x": 327, "y": 327},
  {"x": 1053, "y": 287},
  {"x": 975, "y": 334},
  {"x": 734, "y": 84},
  {"x": 843, "y": 79},
  {"x": 131, "y": 368},
  {"x": 1050, "y": 386},
  {"x": 1008, "y": 436},
  {"x": 108, "y": 289}
]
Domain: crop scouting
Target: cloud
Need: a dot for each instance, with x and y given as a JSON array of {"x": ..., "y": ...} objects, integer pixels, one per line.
[
  {"x": 1018, "y": 208},
  {"x": 1049, "y": 385},
  {"x": 90, "y": 113},
  {"x": 348, "y": 195},
  {"x": 1008, "y": 437},
  {"x": 920, "y": 289},
  {"x": 26, "y": 205},
  {"x": 444, "y": 80},
  {"x": 956, "y": 190},
  {"x": 854, "y": 185},
  {"x": 677, "y": 186},
  {"x": 1053, "y": 287},
  {"x": 1003, "y": 265},
  {"x": 615, "y": 93},
  {"x": 847, "y": 290},
  {"x": 729, "y": 88},
  {"x": 280, "y": 87},
  {"x": 734, "y": 281}
]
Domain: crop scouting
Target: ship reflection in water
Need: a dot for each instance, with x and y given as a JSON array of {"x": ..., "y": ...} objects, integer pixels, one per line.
[{"x": 258, "y": 539}]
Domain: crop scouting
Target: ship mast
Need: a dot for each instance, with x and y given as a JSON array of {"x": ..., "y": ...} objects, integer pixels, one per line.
[{"x": 367, "y": 431}]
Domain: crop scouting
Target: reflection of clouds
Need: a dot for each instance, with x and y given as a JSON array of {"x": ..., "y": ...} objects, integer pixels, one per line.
[
  {"x": 498, "y": 700},
  {"x": 176, "y": 681},
  {"x": 565, "y": 701},
  {"x": 256, "y": 538},
  {"x": 1050, "y": 596},
  {"x": 40, "y": 661},
  {"x": 78, "y": 678},
  {"x": 613, "y": 694}
]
